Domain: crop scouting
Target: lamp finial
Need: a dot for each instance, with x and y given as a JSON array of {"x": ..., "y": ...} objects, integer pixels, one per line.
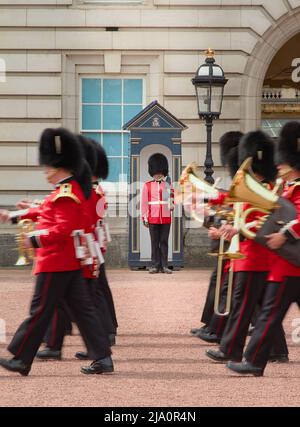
[{"x": 210, "y": 53}]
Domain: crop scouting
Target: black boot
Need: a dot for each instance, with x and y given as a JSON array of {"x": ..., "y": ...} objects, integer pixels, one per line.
[
  {"x": 218, "y": 356},
  {"x": 101, "y": 366},
  {"x": 82, "y": 355},
  {"x": 207, "y": 336},
  {"x": 279, "y": 358},
  {"x": 245, "y": 368},
  {"x": 15, "y": 365},
  {"x": 49, "y": 354}
]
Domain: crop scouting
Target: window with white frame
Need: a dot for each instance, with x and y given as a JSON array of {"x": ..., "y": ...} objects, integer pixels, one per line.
[{"x": 106, "y": 105}]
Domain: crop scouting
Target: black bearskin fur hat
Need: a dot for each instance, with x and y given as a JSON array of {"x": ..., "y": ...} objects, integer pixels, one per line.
[
  {"x": 260, "y": 147},
  {"x": 228, "y": 141},
  {"x": 60, "y": 148},
  {"x": 158, "y": 163},
  {"x": 89, "y": 150},
  {"x": 289, "y": 145},
  {"x": 84, "y": 179},
  {"x": 233, "y": 161},
  {"x": 102, "y": 166}
]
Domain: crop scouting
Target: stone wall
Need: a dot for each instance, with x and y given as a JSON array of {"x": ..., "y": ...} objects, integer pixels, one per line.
[{"x": 196, "y": 247}]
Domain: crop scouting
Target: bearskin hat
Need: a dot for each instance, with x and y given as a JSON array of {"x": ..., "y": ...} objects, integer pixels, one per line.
[
  {"x": 102, "y": 165},
  {"x": 228, "y": 141},
  {"x": 60, "y": 148},
  {"x": 89, "y": 151},
  {"x": 260, "y": 147},
  {"x": 233, "y": 161},
  {"x": 158, "y": 163},
  {"x": 84, "y": 179},
  {"x": 289, "y": 145}
]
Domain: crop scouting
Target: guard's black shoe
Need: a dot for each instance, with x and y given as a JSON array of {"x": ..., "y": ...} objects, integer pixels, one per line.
[
  {"x": 112, "y": 339},
  {"x": 82, "y": 355},
  {"x": 195, "y": 331},
  {"x": 208, "y": 337},
  {"x": 245, "y": 368},
  {"x": 217, "y": 356},
  {"x": 102, "y": 366},
  {"x": 166, "y": 270},
  {"x": 279, "y": 358},
  {"x": 153, "y": 270},
  {"x": 49, "y": 354},
  {"x": 15, "y": 365}
]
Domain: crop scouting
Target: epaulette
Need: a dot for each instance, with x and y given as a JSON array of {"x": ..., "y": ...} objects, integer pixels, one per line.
[{"x": 65, "y": 190}]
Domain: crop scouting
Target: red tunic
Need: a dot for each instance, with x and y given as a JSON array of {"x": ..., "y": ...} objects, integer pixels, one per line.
[
  {"x": 157, "y": 202},
  {"x": 280, "y": 267},
  {"x": 257, "y": 257},
  {"x": 57, "y": 218}
]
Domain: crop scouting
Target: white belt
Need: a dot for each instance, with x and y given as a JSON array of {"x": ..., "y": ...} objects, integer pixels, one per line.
[{"x": 159, "y": 202}]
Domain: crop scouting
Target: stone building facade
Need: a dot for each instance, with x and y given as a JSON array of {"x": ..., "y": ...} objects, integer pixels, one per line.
[{"x": 48, "y": 46}]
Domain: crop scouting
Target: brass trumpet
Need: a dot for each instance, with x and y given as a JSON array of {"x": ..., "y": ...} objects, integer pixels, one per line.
[
  {"x": 26, "y": 255},
  {"x": 191, "y": 176}
]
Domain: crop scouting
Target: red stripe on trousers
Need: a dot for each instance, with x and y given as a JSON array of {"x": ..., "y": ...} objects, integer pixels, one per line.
[
  {"x": 54, "y": 326},
  {"x": 40, "y": 310},
  {"x": 281, "y": 290}
]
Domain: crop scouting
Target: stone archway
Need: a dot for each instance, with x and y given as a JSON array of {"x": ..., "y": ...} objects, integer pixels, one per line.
[{"x": 257, "y": 67}]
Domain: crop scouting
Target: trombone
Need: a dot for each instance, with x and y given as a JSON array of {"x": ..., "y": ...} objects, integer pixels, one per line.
[{"x": 232, "y": 253}]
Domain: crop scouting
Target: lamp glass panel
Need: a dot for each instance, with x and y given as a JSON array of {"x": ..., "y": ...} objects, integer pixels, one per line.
[
  {"x": 203, "y": 98},
  {"x": 203, "y": 71},
  {"x": 216, "y": 98}
]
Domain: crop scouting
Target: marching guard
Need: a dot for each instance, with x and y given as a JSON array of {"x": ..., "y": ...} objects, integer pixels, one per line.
[
  {"x": 283, "y": 287},
  {"x": 250, "y": 271},
  {"x": 59, "y": 219}
]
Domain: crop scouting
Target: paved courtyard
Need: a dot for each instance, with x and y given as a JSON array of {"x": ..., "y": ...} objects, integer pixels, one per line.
[{"x": 157, "y": 363}]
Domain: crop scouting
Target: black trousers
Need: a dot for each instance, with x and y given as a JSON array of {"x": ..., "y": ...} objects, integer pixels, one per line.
[
  {"x": 159, "y": 234},
  {"x": 249, "y": 288},
  {"x": 277, "y": 300},
  {"x": 49, "y": 290},
  {"x": 208, "y": 309},
  {"x": 105, "y": 290},
  {"x": 59, "y": 324}
]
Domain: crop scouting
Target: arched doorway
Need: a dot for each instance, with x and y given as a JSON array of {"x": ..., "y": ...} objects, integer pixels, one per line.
[
  {"x": 258, "y": 65},
  {"x": 280, "y": 101}
]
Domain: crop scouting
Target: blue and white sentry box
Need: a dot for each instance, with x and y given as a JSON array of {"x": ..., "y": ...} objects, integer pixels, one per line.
[{"x": 153, "y": 130}]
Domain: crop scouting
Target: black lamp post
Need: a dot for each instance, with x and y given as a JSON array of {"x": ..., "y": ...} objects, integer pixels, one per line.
[{"x": 209, "y": 82}]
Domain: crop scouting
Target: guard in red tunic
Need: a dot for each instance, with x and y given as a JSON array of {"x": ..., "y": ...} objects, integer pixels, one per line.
[
  {"x": 283, "y": 285},
  {"x": 251, "y": 271},
  {"x": 61, "y": 219},
  {"x": 157, "y": 207},
  {"x": 213, "y": 324}
]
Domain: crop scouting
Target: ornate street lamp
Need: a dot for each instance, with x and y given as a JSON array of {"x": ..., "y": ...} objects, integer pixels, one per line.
[{"x": 209, "y": 82}]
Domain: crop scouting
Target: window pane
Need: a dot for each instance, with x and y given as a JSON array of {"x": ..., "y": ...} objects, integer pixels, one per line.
[
  {"x": 91, "y": 117},
  {"x": 114, "y": 170},
  {"x": 133, "y": 91},
  {"x": 95, "y": 136},
  {"x": 112, "y": 91},
  {"x": 130, "y": 111},
  {"x": 125, "y": 166},
  {"x": 91, "y": 90},
  {"x": 112, "y": 117},
  {"x": 112, "y": 143},
  {"x": 126, "y": 145}
]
